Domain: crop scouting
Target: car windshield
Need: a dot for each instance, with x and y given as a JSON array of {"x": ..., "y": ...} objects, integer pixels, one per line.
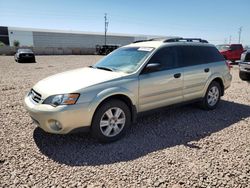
[
  {"x": 223, "y": 47},
  {"x": 127, "y": 59},
  {"x": 24, "y": 50}
]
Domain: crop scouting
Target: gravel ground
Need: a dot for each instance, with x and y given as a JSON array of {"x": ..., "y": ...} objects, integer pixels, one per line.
[{"x": 176, "y": 147}]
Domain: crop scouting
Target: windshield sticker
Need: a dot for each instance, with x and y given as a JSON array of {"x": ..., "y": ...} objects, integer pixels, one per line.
[{"x": 145, "y": 49}]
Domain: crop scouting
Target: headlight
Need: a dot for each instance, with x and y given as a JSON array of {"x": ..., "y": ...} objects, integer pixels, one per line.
[{"x": 66, "y": 99}]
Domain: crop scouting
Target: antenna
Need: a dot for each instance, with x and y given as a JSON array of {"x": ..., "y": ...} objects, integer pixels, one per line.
[{"x": 106, "y": 23}]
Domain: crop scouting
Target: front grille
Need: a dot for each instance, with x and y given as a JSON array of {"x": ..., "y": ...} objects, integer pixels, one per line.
[
  {"x": 35, "y": 96},
  {"x": 35, "y": 121},
  {"x": 26, "y": 55}
]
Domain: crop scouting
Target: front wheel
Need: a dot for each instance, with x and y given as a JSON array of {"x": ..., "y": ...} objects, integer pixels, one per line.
[
  {"x": 111, "y": 120},
  {"x": 212, "y": 97}
]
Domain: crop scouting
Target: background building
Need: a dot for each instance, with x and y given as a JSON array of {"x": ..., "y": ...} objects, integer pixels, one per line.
[{"x": 44, "y": 41}]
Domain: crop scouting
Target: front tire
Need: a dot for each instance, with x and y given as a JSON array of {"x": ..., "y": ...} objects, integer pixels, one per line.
[
  {"x": 212, "y": 97},
  {"x": 111, "y": 120}
]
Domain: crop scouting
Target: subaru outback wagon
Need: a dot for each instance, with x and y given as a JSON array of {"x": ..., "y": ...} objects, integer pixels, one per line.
[{"x": 106, "y": 97}]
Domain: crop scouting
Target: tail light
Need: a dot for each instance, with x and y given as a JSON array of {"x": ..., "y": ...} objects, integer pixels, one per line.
[{"x": 228, "y": 65}]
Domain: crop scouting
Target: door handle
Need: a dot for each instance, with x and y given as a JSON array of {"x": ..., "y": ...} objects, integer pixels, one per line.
[
  {"x": 206, "y": 70},
  {"x": 177, "y": 75}
]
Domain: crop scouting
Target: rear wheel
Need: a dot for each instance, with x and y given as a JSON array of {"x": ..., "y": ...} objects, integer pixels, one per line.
[
  {"x": 111, "y": 120},
  {"x": 212, "y": 97},
  {"x": 244, "y": 76}
]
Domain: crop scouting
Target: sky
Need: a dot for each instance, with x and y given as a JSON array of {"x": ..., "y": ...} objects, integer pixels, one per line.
[{"x": 213, "y": 20}]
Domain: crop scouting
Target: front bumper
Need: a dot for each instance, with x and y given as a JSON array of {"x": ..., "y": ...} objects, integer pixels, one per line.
[
  {"x": 244, "y": 66},
  {"x": 69, "y": 117}
]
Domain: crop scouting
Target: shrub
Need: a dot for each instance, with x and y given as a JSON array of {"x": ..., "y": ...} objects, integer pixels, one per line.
[
  {"x": 1, "y": 44},
  {"x": 16, "y": 43}
]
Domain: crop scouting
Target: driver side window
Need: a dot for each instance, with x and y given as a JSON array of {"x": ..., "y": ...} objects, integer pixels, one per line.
[{"x": 166, "y": 57}]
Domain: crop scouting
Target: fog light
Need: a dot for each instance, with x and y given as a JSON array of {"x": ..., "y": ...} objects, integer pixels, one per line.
[{"x": 55, "y": 125}]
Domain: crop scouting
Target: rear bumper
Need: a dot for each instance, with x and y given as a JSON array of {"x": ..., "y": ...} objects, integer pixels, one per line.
[
  {"x": 244, "y": 66},
  {"x": 70, "y": 118},
  {"x": 26, "y": 58},
  {"x": 227, "y": 80}
]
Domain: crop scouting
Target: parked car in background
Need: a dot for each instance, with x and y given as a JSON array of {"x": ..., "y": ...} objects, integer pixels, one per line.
[
  {"x": 106, "y": 97},
  {"x": 25, "y": 55},
  {"x": 231, "y": 52},
  {"x": 244, "y": 66},
  {"x": 106, "y": 49}
]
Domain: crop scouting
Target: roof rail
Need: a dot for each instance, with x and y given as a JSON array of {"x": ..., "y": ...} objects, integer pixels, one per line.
[
  {"x": 140, "y": 41},
  {"x": 174, "y": 39},
  {"x": 186, "y": 40},
  {"x": 155, "y": 39}
]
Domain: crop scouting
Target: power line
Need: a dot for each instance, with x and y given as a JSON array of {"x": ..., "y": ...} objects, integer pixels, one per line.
[{"x": 240, "y": 30}]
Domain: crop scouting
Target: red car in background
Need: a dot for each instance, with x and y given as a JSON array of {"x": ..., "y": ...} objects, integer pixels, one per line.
[{"x": 231, "y": 52}]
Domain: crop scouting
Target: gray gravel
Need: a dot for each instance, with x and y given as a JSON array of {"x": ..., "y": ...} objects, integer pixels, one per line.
[{"x": 176, "y": 147}]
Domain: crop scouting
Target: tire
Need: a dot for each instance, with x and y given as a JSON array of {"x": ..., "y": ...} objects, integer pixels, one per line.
[
  {"x": 113, "y": 126},
  {"x": 244, "y": 76},
  {"x": 212, "y": 97}
]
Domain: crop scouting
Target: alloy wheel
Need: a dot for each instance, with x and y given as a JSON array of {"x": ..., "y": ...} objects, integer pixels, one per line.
[
  {"x": 213, "y": 96},
  {"x": 112, "y": 122}
]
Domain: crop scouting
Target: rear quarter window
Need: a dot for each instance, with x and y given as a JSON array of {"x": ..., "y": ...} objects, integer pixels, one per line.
[
  {"x": 195, "y": 55},
  {"x": 211, "y": 55}
]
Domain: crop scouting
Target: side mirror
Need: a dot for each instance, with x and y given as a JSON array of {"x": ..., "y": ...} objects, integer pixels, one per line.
[{"x": 151, "y": 67}]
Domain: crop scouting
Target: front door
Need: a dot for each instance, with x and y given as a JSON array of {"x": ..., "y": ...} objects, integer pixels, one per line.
[{"x": 163, "y": 86}]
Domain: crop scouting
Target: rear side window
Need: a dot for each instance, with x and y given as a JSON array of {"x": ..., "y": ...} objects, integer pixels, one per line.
[
  {"x": 236, "y": 47},
  {"x": 195, "y": 55},
  {"x": 247, "y": 58},
  {"x": 189, "y": 55}
]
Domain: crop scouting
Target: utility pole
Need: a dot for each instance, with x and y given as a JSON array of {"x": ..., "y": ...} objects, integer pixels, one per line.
[
  {"x": 230, "y": 39},
  {"x": 240, "y": 30},
  {"x": 106, "y": 23}
]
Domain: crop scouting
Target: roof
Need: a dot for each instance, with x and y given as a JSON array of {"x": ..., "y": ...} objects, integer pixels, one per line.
[{"x": 157, "y": 42}]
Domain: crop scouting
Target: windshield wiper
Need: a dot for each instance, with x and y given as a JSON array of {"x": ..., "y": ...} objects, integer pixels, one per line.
[{"x": 104, "y": 68}]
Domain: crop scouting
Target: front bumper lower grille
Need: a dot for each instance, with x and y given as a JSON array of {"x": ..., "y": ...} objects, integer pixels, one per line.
[{"x": 35, "y": 96}]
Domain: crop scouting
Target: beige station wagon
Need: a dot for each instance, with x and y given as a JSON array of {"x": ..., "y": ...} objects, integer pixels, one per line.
[{"x": 106, "y": 97}]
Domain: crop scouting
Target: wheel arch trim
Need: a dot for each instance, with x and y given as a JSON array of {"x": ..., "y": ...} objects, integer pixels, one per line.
[
  {"x": 112, "y": 92},
  {"x": 212, "y": 78}
]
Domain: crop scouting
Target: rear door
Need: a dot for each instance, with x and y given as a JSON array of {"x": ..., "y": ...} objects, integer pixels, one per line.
[
  {"x": 196, "y": 70},
  {"x": 236, "y": 51},
  {"x": 164, "y": 86},
  {"x": 233, "y": 52}
]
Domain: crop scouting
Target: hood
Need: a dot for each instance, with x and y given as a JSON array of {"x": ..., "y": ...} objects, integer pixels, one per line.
[
  {"x": 26, "y": 52},
  {"x": 74, "y": 80}
]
